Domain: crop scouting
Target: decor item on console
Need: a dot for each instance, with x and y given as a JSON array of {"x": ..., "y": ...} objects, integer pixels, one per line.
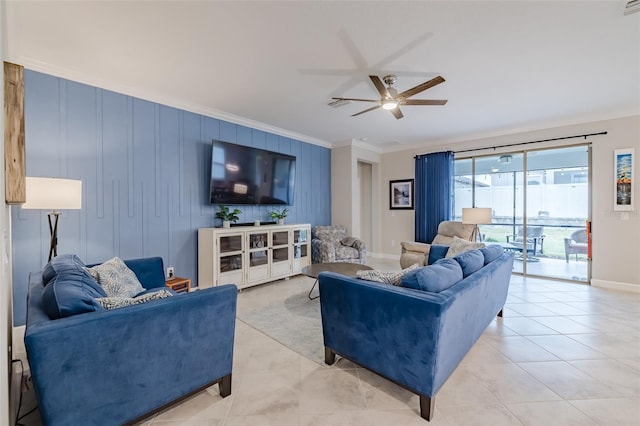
[
  {"x": 417, "y": 333},
  {"x": 415, "y": 252},
  {"x": 227, "y": 216},
  {"x": 92, "y": 366},
  {"x": 53, "y": 194},
  {"x": 332, "y": 244},
  {"x": 279, "y": 214}
]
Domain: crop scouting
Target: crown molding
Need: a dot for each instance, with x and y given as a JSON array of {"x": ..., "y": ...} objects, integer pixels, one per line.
[
  {"x": 107, "y": 84},
  {"x": 484, "y": 136}
]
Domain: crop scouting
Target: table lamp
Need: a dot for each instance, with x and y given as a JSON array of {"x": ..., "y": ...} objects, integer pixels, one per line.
[
  {"x": 53, "y": 194},
  {"x": 475, "y": 216}
]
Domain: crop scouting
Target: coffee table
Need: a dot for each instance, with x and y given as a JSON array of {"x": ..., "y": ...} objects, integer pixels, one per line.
[{"x": 348, "y": 269}]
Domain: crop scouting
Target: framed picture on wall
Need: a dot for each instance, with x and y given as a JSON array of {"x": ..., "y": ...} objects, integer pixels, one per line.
[
  {"x": 401, "y": 194},
  {"x": 623, "y": 180}
]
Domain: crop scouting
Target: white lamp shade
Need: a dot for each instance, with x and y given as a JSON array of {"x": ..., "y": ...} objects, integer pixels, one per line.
[
  {"x": 53, "y": 194},
  {"x": 476, "y": 215}
]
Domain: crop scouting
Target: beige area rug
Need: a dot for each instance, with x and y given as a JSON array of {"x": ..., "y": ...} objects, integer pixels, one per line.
[{"x": 295, "y": 322}]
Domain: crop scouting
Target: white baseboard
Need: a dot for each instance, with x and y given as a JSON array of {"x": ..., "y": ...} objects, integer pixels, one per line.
[
  {"x": 17, "y": 352},
  {"x": 384, "y": 256},
  {"x": 15, "y": 388},
  {"x": 613, "y": 285}
]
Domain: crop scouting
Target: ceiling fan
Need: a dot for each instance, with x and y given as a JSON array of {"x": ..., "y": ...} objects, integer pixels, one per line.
[{"x": 391, "y": 100}]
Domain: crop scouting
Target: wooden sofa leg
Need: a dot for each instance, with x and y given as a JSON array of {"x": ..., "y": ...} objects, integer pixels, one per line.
[
  {"x": 427, "y": 407},
  {"x": 225, "y": 386},
  {"x": 500, "y": 313},
  {"x": 329, "y": 356}
]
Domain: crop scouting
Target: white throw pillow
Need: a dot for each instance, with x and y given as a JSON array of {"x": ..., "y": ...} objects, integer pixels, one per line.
[
  {"x": 459, "y": 245},
  {"x": 385, "y": 277},
  {"x": 121, "y": 302},
  {"x": 116, "y": 278}
]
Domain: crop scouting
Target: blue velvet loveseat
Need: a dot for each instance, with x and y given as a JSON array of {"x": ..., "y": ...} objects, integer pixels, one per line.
[
  {"x": 417, "y": 333},
  {"x": 93, "y": 366}
]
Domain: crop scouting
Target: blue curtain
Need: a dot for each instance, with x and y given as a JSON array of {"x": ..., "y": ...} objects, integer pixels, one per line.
[{"x": 433, "y": 193}]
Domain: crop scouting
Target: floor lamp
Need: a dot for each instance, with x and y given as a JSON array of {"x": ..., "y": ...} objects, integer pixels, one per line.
[
  {"x": 53, "y": 194},
  {"x": 476, "y": 216}
]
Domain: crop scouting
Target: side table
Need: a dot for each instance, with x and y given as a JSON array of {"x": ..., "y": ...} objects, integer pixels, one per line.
[{"x": 179, "y": 285}]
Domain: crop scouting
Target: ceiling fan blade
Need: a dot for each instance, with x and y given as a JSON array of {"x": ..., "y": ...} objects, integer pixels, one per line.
[
  {"x": 424, "y": 102},
  {"x": 366, "y": 110},
  {"x": 356, "y": 99},
  {"x": 379, "y": 86},
  {"x": 421, "y": 87},
  {"x": 397, "y": 113}
]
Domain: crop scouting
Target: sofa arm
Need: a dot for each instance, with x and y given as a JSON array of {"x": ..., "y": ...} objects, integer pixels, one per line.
[
  {"x": 322, "y": 251},
  {"x": 361, "y": 246},
  {"x": 414, "y": 252},
  {"x": 415, "y": 246},
  {"x": 114, "y": 366},
  {"x": 383, "y": 327}
]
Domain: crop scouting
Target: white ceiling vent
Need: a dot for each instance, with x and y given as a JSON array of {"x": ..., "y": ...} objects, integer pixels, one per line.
[{"x": 632, "y": 7}]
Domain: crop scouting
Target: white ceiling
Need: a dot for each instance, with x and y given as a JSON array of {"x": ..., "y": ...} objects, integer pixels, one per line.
[{"x": 509, "y": 65}]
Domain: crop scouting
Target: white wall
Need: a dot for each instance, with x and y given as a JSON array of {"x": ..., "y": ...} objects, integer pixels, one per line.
[
  {"x": 365, "y": 177},
  {"x": 616, "y": 238},
  {"x": 345, "y": 189}
]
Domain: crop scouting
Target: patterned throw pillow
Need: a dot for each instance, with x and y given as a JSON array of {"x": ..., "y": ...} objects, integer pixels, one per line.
[
  {"x": 393, "y": 278},
  {"x": 121, "y": 302},
  {"x": 459, "y": 245},
  {"x": 116, "y": 278}
]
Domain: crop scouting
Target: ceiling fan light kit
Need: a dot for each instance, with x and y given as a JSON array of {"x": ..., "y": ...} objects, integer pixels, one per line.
[
  {"x": 391, "y": 100},
  {"x": 389, "y": 104}
]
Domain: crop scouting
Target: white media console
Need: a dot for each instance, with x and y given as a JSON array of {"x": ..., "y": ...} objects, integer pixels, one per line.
[{"x": 251, "y": 255}]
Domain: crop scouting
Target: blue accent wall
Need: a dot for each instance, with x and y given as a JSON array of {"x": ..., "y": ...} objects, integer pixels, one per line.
[{"x": 145, "y": 169}]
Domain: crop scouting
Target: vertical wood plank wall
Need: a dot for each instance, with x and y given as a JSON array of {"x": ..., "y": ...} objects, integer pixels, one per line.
[{"x": 145, "y": 171}]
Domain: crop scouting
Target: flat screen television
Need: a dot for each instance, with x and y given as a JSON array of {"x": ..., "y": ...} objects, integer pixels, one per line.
[{"x": 246, "y": 175}]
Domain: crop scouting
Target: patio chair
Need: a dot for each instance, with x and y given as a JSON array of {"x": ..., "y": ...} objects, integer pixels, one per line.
[
  {"x": 576, "y": 244},
  {"x": 534, "y": 242}
]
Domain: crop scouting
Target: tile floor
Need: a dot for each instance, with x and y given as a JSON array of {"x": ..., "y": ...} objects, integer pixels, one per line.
[{"x": 564, "y": 354}]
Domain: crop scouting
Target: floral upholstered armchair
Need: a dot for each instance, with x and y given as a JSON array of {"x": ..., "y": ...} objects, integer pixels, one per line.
[{"x": 332, "y": 244}]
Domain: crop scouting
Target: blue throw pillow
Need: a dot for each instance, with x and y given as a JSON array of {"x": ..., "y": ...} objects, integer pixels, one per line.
[
  {"x": 491, "y": 252},
  {"x": 437, "y": 252},
  {"x": 435, "y": 278},
  {"x": 470, "y": 261},
  {"x": 59, "y": 263},
  {"x": 71, "y": 290}
]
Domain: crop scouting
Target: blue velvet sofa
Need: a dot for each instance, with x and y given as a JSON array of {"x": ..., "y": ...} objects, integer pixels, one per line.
[
  {"x": 112, "y": 367},
  {"x": 415, "y": 334}
]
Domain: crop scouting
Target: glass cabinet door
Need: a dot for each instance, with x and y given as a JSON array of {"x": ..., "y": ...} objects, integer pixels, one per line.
[
  {"x": 280, "y": 238},
  {"x": 300, "y": 236},
  {"x": 230, "y": 263},
  {"x": 230, "y": 243},
  {"x": 280, "y": 254},
  {"x": 299, "y": 251},
  {"x": 258, "y": 248},
  {"x": 230, "y": 252}
]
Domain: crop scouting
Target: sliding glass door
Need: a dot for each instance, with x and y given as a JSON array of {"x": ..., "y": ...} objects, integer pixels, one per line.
[{"x": 540, "y": 205}]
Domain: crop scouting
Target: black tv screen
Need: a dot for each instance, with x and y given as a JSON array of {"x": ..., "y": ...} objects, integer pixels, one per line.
[{"x": 246, "y": 175}]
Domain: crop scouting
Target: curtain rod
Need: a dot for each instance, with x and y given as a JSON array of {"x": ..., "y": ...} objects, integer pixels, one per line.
[{"x": 527, "y": 143}]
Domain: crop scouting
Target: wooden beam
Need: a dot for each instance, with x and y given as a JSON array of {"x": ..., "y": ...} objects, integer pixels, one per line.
[{"x": 14, "y": 154}]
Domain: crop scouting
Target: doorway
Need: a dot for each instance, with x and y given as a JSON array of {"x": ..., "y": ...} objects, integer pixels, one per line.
[{"x": 540, "y": 201}]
